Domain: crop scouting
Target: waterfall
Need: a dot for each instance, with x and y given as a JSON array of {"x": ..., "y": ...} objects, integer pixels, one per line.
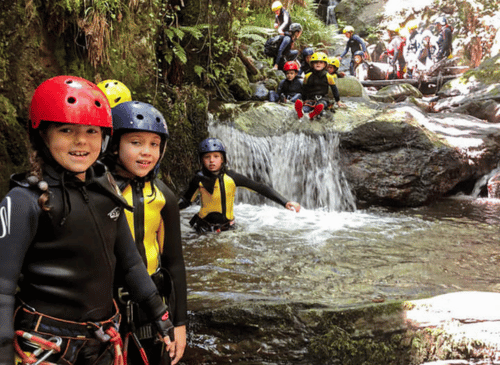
[
  {"x": 331, "y": 19},
  {"x": 303, "y": 168}
]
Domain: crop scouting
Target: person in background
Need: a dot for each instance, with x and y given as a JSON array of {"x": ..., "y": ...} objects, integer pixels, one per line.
[
  {"x": 333, "y": 67},
  {"x": 305, "y": 66},
  {"x": 282, "y": 21},
  {"x": 116, "y": 92},
  {"x": 315, "y": 88},
  {"x": 395, "y": 49},
  {"x": 216, "y": 185},
  {"x": 134, "y": 155},
  {"x": 354, "y": 44},
  {"x": 285, "y": 52},
  {"x": 360, "y": 66},
  {"x": 64, "y": 237},
  {"x": 290, "y": 88},
  {"x": 444, "y": 41}
]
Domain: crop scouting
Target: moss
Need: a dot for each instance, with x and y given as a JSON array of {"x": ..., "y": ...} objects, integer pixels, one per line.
[{"x": 13, "y": 144}]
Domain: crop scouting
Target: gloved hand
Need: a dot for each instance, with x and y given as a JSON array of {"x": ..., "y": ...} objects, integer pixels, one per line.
[{"x": 164, "y": 327}]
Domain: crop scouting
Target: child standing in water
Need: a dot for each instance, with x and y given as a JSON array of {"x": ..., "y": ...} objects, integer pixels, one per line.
[
  {"x": 217, "y": 186},
  {"x": 62, "y": 235},
  {"x": 139, "y": 142}
]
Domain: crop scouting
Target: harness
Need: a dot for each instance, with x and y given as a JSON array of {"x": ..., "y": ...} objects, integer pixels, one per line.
[{"x": 62, "y": 333}]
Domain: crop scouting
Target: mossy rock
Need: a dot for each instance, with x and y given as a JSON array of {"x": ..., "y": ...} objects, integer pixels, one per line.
[{"x": 13, "y": 144}]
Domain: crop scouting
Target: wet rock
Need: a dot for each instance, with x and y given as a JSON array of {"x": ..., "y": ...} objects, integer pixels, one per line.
[
  {"x": 395, "y": 93},
  {"x": 259, "y": 91},
  {"x": 350, "y": 86},
  {"x": 493, "y": 187}
]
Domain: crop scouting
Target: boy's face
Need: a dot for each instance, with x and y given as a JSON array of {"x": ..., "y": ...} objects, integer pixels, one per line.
[
  {"x": 318, "y": 65},
  {"x": 358, "y": 59},
  {"x": 290, "y": 75},
  {"x": 348, "y": 34},
  {"x": 75, "y": 147},
  {"x": 308, "y": 58},
  {"x": 213, "y": 161},
  {"x": 139, "y": 152},
  {"x": 331, "y": 69}
]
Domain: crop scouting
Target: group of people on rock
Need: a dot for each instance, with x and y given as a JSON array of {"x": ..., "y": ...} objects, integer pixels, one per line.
[
  {"x": 92, "y": 266},
  {"x": 408, "y": 50}
]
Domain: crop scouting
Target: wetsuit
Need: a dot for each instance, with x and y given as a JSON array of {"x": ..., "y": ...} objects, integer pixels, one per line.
[
  {"x": 444, "y": 43},
  {"x": 155, "y": 226},
  {"x": 315, "y": 89},
  {"x": 285, "y": 52},
  {"x": 289, "y": 90},
  {"x": 355, "y": 43},
  {"x": 63, "y": 262},
  {"x": 283, "y": 21},
  {"x": 395, "y": 49},
  {"x": 217, "y": 198}
]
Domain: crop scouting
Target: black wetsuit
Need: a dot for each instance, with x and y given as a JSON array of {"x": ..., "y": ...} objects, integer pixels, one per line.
[
  {"x": 289, "y": 90},
  {"x": 64, "y": 260},
  {"x": 217, "y": 196},
  {"x": 444, "y": 43},
  {"x": 315, "y": 89},
  {"x": 285, "y": 52}
]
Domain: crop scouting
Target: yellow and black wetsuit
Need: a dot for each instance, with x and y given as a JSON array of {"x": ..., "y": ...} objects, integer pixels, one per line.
[
  {"x": 155, "y": 227},
  {"x": 217, "y": 198},
  {"x": 315, "y": 88}
]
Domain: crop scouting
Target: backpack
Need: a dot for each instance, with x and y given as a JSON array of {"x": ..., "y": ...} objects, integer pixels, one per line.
[{"x": 272, "y": 45}]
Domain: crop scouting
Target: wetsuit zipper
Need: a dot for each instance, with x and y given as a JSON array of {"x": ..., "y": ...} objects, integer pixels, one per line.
[
  {"x": 222, "y": 194},
  {"x": 138, "y": 201},
  {"x": 86, "y": 198}
]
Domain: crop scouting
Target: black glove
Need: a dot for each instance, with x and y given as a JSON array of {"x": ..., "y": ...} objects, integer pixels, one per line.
[{"x": 165, "y": 327}]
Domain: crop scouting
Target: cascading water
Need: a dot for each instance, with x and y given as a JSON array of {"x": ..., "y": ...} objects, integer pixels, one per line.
[
  {"x": 302, "y": 168},
  {"x": 331, "y": 19}
]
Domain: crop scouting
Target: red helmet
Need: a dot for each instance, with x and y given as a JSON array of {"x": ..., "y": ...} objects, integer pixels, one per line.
[
  {"x": 70, "y": 99},
  {"x": 291, "y": 65}
]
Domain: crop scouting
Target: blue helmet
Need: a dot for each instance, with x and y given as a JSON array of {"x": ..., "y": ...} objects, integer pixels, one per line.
[
  {"x": 211, "y": 145},
  {"x": 138, "y": 116},
  {"x": 308, "y": 51}
]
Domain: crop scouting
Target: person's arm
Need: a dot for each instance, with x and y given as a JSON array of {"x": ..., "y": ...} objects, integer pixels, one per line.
[
  {"x": 284, "y": 44},
  {"x": 263, "y": 190},
  {"x": 172, "y": 260},
  {"x": 188, "y": 196},
  {"x": 19, "y": 214}
]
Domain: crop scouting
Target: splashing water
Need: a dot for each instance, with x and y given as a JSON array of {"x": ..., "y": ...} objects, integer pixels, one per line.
[{"x": 300, "y": 167}]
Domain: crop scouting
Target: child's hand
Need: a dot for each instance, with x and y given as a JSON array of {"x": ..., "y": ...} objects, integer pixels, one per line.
[
  {"x": 275, "y": 67},
  {"x": 341, "y": 104},
  {"x": 293, "y": 206}
]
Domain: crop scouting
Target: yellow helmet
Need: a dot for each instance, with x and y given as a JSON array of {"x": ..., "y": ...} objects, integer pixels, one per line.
[
  {"x": 348, "y": 29},
  {"x": 334, "y": 61},
  {"x": 277, "y": 5},
  {"x": 319, "y": 56},
  {"x": 412, "y": 24},
  {"x": 116, "y": 92},
  {"x": 394, "y": 27}
]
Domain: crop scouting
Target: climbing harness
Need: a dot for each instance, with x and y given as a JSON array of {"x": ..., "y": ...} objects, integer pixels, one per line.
[{"x": 38, "y": 357}]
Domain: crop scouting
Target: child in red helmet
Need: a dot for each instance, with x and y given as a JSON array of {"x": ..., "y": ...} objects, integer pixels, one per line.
[
  {"x": 63, "y": 234},
  {"x": 289, "y": 89}
]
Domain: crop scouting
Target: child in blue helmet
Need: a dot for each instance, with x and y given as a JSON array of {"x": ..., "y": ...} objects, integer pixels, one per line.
[
  {"x": 62, "y": 235},
  {"x": 216, "y": 186},
  {"x": 138, "y": 144}
]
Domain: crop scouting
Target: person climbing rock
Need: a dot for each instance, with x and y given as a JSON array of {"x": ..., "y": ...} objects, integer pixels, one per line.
[
  {"x": 444, "y": 41},
  {"x": 285, "y": 52},
  {"x": 283, "y": 20},
  {"x": 354, "y": 44}
]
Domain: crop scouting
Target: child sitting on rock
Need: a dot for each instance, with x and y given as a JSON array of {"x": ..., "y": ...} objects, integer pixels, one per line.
[
  {"x": 333, "y": 67},
  {"x": 315, "y": 88},
  {"x": 290, "y": 88}
]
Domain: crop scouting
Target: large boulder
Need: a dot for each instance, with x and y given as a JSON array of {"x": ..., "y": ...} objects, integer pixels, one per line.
[{"x": 398, "y": 155}]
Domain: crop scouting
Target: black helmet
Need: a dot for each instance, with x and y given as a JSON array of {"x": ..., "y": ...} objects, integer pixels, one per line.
[
  {"x": 211, "y": 145},
  {"x": 308, "y": 51},
  {"x": 295, "y": 27}
]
